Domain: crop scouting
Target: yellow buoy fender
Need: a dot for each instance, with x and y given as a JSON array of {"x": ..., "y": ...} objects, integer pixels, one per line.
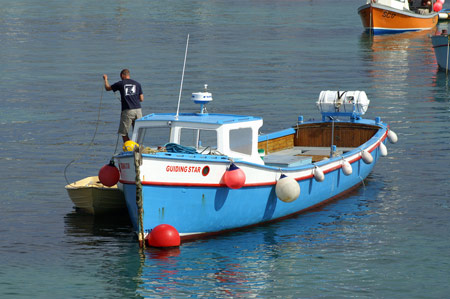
[
  {"x": 346, "y": 167},
  {"x": 383, "y": 150},
  {"x": 366, "y": 157},
  {"x": 129, "y": 146},
  {"x": 318, "y": 174},
  {"x": 392, "y": 136},
  {"x": 287, "y": 189}
]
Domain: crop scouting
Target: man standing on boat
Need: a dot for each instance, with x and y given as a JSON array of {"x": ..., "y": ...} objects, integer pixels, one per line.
[{"x": 131, "y": 97}]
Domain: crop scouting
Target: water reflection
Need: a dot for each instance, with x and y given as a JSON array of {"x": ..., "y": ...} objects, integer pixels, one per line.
[
  {"x": 249, "y": 263},
  {"x": 390, "y": 58},
  {"x": 441, "y": 79},
  {"x": 252, "y": 263},
  {"x": 104, "y": 252},
  {"x": 400, "y": 67},
  {"x": 81, "y": 224}
]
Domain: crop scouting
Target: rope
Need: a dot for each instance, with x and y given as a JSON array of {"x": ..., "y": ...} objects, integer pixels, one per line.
[
  {"x": 137, "y": 164},
  {"x": 362, "y": 181},
  {"x": 92, "y": 140},
  {"x": 177, "y": 148},
  {"x": 339, "y": 101},
  {"x": 117, "y": 143},
  {"x": 448, "y": 44}
]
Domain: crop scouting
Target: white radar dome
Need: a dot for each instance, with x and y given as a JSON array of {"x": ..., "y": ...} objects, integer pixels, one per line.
[{"x": 203, "y": 97}]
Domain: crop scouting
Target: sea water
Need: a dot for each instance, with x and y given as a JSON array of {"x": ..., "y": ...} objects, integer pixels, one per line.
[{"x": 388, "y": 239}]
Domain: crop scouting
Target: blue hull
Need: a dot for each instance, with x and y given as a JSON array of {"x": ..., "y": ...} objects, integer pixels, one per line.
[
  {"x": 196, "y": 211},
  {"x": 389, "y": 31}
]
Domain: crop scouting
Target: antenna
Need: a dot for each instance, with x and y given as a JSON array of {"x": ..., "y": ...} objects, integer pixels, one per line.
[{"x": 182, "y": 77}]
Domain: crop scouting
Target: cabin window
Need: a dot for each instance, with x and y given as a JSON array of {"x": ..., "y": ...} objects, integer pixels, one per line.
[
  {"x": 198, "y": 138},
  {"x": 241, "y": 140},
  {"x": 153, "y": 136}
]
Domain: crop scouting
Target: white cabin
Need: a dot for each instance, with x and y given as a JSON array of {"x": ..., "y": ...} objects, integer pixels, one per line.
[
  {"x": 397, "y": 4},
  {"x": 234, "y": 136}
]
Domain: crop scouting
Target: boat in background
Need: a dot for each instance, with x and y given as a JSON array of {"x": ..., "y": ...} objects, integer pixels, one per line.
[
  {"x": 441, "y": 49},
  {"x": 91, "y": 196},
  {"x": 395, "y": 16},
  {"x": 206, "y": 174}
]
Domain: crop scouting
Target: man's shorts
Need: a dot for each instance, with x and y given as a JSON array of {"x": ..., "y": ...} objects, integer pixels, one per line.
[{"x": 127, "y": 118}]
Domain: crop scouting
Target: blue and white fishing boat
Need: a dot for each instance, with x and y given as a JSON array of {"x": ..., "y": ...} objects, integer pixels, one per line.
[{"x": 209, "y": 173}]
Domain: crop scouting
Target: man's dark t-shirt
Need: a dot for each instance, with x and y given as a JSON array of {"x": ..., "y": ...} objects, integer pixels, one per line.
[{"x": 130, "y": 91}]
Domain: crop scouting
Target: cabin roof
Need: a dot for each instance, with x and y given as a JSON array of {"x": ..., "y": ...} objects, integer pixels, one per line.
[{"x": 207, "y": 118}]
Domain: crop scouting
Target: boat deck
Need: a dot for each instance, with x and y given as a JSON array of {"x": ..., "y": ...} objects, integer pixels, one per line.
[{"x": 301, "y": 155}]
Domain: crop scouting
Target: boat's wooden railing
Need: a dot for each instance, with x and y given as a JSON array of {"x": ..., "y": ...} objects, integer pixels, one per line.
[
  {"x": 276, "y": 142},
  {"x": 344, "y": 134},
  {"x": 314, "y": 140}
]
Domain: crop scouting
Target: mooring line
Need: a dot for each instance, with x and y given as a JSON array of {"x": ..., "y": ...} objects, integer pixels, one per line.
[{"x": 92, "y": 140}]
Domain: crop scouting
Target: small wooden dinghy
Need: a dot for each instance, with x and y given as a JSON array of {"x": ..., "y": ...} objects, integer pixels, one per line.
[{"x": 91, "y": 196}]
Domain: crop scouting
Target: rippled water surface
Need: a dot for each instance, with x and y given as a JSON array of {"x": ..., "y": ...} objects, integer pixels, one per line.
[{"x": 388, "y": 239}]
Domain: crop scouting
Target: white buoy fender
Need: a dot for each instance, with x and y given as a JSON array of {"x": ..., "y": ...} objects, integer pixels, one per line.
[
  {"x": 383, "y": 150},
  {"x": 346, "y": 167},
  {"x": 318, "y": 174},
  {"x": 392, "y": 136},
  {"x": 287, "y": 189},
  {"x": 366, "y": 157}
]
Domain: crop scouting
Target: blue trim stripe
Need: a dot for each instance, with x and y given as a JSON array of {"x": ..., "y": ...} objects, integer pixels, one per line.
[
  {"x": 207, "y": 118},
  {"x": 277, "y": 134}
]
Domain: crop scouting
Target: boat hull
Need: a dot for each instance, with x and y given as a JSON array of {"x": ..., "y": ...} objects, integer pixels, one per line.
[
  {"x": 176, "y": 191},
  {"x": 90, "y": 196},
  {"x": 441, "y": 50},
  {"x": 381, "y": 19},
  {"x": 201, "y": 211}
]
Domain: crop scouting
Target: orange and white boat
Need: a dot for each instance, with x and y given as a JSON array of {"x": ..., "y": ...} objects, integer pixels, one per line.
[{"x": 395, "y": 16}]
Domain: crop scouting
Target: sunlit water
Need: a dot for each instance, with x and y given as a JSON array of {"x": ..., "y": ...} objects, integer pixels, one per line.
[{"x": 388, "y": 239}]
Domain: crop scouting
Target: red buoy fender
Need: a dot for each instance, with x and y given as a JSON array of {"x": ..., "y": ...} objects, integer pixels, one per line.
[
  {"x": 234, "y": 177},
  {"x": 437, "y": 6},
  {"x": 109, "y": 174},
  {"x": 163, "y": 235}
]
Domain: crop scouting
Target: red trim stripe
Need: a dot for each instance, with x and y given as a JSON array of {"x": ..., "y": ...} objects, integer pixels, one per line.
[
  {"x": 438, "y": 46},
  {"x": 306, "y": 177}
]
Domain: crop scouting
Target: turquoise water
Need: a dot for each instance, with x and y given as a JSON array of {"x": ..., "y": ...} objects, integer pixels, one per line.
[{"x": 388, "y": 239}]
